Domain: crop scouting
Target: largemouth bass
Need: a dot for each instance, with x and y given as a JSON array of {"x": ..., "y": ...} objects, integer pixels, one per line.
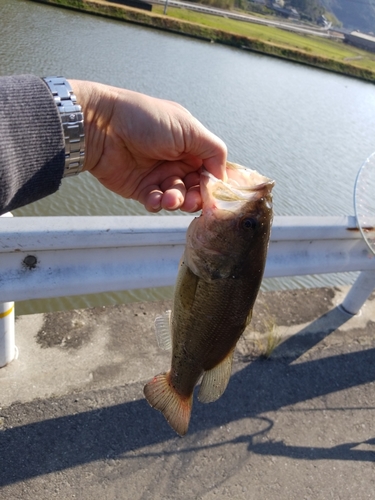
[{"x": 218, "y": 281}]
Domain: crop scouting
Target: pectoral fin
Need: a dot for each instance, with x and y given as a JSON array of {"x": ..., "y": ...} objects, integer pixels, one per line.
[
  {"x": 163, "y": 331},
  {"x": 248, "y": 319},
  {"x": 186, "y": 287},
  {"x": 215, "y": 381}
]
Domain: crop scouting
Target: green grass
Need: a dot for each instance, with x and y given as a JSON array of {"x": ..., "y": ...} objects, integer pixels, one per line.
[{"x": 312, "y": 45}]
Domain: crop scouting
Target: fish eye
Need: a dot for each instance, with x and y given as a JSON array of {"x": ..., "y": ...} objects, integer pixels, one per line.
[{"x": 249, "y": 223}]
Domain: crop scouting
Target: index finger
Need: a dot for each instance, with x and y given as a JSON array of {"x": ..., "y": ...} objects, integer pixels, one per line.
[
  {"x": 210, "y": 149},
  {"x": 216, "y": 164}
]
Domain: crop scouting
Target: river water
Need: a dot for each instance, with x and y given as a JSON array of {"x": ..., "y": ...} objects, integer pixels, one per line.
[{"x": 308, "y": 129}]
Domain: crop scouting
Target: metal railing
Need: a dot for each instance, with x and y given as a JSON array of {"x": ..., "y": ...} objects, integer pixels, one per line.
[{"x": 45, "y": 257}]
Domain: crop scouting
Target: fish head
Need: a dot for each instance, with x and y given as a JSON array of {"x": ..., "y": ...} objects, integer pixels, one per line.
[{"x": 233, "y": 229}]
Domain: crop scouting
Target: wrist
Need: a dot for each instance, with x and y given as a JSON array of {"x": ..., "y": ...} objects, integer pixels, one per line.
[
  {"x": 96, "y": 101},
  {"x": 72, "y": 123}
]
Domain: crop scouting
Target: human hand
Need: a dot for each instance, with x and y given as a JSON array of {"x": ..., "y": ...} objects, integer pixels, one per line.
[{"x": 145, "y": 148}]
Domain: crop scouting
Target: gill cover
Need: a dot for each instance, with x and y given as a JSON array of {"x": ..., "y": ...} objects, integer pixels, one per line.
[{"x": 232, "y": 210}]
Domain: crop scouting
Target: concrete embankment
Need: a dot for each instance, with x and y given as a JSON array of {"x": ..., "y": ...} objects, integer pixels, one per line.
[
  {"x": 195, "y": 30},
  {"x": 74, "y": 423}
]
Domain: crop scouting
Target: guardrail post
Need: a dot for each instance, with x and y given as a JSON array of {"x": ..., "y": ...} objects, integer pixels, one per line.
[
  {"x": 359, "y": 292},
  {"x": 8, "y": 350}
]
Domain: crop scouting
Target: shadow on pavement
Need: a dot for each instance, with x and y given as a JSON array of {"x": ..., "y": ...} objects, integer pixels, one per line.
[
  {"x": 312, "y": 334},
  {"x": 57, "y": 443}
]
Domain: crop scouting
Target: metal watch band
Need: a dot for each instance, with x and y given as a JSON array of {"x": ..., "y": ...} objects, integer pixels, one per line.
[{"x": 72, "y": 122}]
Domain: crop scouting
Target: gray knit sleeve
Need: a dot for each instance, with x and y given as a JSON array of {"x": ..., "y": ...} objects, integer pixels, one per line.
[{"x": 31, "y": 142}]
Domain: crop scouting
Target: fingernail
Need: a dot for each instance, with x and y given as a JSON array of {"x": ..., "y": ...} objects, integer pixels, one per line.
[{"x": 155, "y": 202}]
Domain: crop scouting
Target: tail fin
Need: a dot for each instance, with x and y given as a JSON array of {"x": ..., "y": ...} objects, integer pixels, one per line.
[{"x": 163, "y": 397}]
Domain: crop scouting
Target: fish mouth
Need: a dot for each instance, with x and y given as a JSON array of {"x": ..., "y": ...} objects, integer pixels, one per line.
[{"x": 242, "y": 186}]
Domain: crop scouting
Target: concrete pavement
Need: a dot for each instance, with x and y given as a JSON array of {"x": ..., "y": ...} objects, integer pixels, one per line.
[{"x": 299, "y": 425}]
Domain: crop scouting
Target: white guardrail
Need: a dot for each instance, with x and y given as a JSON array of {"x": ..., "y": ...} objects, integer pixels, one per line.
[{"x": 45, "y": 257}]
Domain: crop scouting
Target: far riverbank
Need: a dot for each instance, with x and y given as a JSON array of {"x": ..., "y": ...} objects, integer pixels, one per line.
[{"x": 202, "y": 32}]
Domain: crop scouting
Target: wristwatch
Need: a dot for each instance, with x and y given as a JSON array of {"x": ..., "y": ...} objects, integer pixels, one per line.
[{"x": 72, "y": 121}]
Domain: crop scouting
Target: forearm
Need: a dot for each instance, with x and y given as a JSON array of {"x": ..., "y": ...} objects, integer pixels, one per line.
[
  {"x": 137, "y": 146},
  {"x": 31, "y": 142}
]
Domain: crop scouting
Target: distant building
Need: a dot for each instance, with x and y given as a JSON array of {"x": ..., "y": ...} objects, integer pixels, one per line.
[
  {"x": 288, "y": 12},
  {"x": 323, "y": 21},
  {"x": 360, "y": 40}
]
